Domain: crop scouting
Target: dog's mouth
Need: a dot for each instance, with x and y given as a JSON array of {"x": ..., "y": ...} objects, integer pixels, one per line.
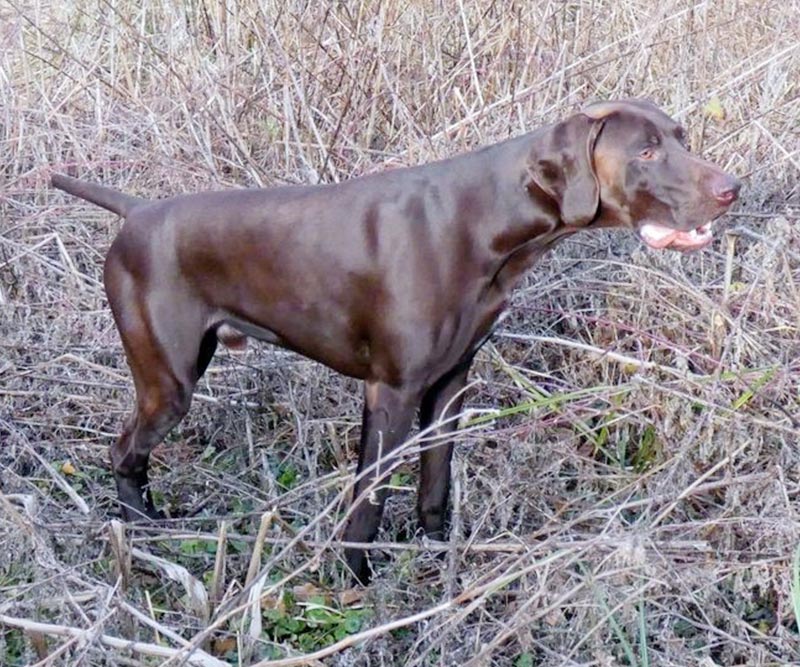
[{"x": 662, "y": 237}]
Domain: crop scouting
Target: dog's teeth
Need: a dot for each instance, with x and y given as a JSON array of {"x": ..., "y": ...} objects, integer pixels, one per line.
[{"x": 655, "y": 232}]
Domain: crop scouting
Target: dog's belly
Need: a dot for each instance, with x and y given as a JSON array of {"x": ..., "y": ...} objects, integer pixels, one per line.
[{"x": 327, "y": 343}]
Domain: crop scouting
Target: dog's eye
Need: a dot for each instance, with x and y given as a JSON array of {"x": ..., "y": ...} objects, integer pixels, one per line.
[{"x": 648, "y": 153}]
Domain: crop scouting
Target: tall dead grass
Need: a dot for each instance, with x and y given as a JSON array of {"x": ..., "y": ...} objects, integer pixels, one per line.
[{"x": 626, "y": 487}]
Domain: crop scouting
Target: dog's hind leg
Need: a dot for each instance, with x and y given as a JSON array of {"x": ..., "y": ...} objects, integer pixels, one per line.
[{"x": 168, "y": 345}]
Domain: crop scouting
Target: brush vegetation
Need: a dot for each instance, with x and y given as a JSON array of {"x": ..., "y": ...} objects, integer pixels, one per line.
[{"x": 626, "y": 484}]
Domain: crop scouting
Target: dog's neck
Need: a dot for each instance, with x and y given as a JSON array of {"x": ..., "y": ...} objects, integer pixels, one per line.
[{"x": 520, "y": 223}]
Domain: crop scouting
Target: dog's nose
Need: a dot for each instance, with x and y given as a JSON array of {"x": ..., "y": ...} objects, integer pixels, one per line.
[{"x": 726, "y": 189}]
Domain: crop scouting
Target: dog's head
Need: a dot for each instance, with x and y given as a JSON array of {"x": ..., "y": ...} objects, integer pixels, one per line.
[{"x": 625, "y": 164}]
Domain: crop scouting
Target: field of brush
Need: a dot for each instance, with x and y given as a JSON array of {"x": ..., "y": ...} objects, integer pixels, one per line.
[{"x": 626, "y": 488}]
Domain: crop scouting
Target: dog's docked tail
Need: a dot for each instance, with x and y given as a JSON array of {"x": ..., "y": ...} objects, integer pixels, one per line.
[{"x": 110, "y": 199}]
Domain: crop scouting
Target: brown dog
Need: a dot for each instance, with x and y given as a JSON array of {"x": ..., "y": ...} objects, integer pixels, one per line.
[{"x": 395, "y": 278}]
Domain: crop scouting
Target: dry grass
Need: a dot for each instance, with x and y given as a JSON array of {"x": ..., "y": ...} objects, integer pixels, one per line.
[{"x": 635, "y": 500}]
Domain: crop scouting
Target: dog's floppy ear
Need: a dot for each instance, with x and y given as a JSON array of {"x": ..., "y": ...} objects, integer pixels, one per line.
[{"x": 561, "y": 164}]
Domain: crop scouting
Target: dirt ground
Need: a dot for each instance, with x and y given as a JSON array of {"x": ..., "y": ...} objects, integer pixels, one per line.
[{"x": 626, "y": 487}]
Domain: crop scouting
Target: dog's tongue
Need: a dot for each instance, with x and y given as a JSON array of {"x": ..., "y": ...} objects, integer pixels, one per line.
[{"x": 659, "y": 236}]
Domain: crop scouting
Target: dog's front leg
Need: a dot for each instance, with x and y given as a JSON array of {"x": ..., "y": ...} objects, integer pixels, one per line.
[
  {"x": 441, "y": 405},
  {"x": 388, "y": 414}
]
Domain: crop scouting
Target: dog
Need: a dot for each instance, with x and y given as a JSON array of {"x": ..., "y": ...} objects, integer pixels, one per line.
[{"x": 395, "y": 278}]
